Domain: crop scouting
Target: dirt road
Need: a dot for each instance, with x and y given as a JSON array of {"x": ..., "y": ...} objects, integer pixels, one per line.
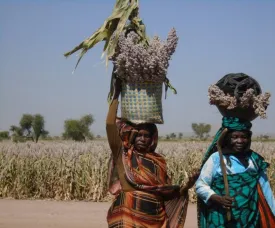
[{"x": 53, "y": 214}]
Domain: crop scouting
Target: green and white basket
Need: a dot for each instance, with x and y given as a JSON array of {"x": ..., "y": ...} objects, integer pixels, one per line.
[{"x": 141, "y": 102}]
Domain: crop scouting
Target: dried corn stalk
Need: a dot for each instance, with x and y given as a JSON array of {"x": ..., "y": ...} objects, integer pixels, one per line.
[{"x": 123, "y": 17}]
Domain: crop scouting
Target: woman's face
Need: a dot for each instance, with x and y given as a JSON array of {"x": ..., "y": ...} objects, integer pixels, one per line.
[
  {"x": 239, "y": 141},
  {"x": 143, "y": 139}
]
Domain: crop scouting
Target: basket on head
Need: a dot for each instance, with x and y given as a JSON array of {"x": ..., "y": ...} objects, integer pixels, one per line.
[
  {"x": 141, "y": 102},
  {"x": 241, "y": 113},
  {"x": 239, "y": 95}
]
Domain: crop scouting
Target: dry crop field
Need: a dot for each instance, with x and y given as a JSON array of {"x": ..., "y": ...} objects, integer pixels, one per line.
[{"x": 65, "y": 170}]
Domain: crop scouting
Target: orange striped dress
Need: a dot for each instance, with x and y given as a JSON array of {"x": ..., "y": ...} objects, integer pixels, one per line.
[{"x": 144, "y": 196}]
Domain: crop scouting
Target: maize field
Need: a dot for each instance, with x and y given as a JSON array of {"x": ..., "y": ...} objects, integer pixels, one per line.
[{"x": 66, "y": 170}]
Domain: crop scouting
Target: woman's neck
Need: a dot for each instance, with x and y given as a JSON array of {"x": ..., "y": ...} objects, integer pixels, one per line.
[{"x": 243, "y": 156}]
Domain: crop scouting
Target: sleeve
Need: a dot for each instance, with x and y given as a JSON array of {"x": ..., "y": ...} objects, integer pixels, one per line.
[
  {"x": 206, "y": 177},
  {"x": 111, "y": 128},
  {"x": 267, "y": 191}
]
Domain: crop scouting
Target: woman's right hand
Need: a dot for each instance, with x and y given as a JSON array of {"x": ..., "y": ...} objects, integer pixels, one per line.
[
  {"x": 191, "y": 181},
  {"x": 223, "y": 201}
]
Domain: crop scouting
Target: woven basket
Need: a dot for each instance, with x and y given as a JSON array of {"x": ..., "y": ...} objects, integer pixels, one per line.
[
  {"x": 241, "y": 113},
  {"x": 141, "y": 102}
]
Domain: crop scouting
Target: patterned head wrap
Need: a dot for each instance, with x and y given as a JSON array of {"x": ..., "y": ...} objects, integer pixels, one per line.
[
  {"x": 232, "y": 124},
  {"x": 128, "y": 132}
]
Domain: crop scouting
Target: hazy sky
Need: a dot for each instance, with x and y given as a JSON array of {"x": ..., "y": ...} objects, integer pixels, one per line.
[{"x": 216, "y": 38}]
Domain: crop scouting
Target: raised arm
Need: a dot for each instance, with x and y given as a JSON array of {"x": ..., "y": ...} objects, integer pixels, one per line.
[{"x": 111, "y": 127}]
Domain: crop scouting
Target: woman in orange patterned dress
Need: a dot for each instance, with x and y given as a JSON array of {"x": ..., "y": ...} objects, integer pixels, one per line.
[{"x": 144, "y": 195}]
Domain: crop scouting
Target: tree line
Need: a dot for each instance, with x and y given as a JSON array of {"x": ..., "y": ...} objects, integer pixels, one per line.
[
  {"x": 32, "y": 127},
  {"x": 201, "y": 131}
]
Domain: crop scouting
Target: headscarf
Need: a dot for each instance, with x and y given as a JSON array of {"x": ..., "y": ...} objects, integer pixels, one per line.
[
  {"x": 232, "y": 124},
  {"x": 126, "y": 129},
  {"x": 144, "y": 179},
  {"x": 141, "y": 176}
]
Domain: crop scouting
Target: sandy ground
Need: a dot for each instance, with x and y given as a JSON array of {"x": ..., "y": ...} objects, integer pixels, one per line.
[{"x": 46, "y": 214}]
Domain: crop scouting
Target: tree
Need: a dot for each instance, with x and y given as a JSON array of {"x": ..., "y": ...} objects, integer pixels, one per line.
[
  {"x": 31, "y": 126},
  {"x": 180, "y": 135},
  {"x": 72, "y": 130},
  {"x": 201, "y": 130},
  {"x": 17, "y": 134},
  {"x": 45, "y": 134},
  {"x": 85, "y": 123},
  {"x": 173, "y": 136},
  {"x": 38, "y": 126},
  {"x": 87, "y": 120},
  {"x": 78, "y": 130},
  {"x": 264, "y": 137},
  {"x": 16, "y": 131},
  {"x": 4, "y": 135},
  {"x": 26, "y": 125}
]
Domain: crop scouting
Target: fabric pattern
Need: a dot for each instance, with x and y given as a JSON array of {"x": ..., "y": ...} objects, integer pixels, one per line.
[
  {"x": 267, "y": 218},
  {"x": 243, "y": 184},
  {"x": 212, "y": 168},
  {"x": 231, "y": 123},
  {"x": 137, "y": 209},
  {"x": 154, "y": 202}
]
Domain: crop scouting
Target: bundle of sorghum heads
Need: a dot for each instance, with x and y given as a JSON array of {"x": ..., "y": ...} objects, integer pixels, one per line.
[
  {"x": 136, "y": 62},
  {"x": 248, "y": 99}
]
